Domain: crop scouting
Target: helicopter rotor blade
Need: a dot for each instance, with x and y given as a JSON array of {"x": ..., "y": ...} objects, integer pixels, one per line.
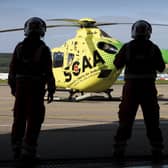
[
  {"x": 113, "y": 23},
  {"x": 127, "y": 23},
  {"x": 64, "y": 25},
  {"x": 81, "y": 22},
  {"x": 64, "y": 19},
  {"x": 48, "y": 26},
  {"x": 11, "y": 30},
  {"x": 159, "y": 24},
  {"x": 75, "y": 22}
]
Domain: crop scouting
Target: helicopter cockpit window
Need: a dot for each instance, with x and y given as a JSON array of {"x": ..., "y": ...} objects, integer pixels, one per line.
[
  {"x": 58, "y": 59},
  {"x": 70, "y": 58},
  {"x": 109, "y": 48}
]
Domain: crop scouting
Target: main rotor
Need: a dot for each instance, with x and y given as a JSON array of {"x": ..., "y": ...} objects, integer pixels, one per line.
[
  {"x": 84, "y": 22},
  {"x": 81, "y": 23}
]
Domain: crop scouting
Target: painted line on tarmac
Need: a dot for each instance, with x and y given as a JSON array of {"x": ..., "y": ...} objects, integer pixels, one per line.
[
  {"x": 80, "y": 124},
  {"x": 71, "y": 124},
  {"x": 51, "y": 125}
]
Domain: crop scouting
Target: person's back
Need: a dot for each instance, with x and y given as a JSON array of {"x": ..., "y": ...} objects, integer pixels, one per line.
[
  {"x": 29, "y": 72},
  {"x": 142, "y": 59},
  {"x": 31, "y": 57}
]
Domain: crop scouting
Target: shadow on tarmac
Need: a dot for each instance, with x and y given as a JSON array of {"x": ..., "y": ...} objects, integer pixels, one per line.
[{"x": 92, "y": 143}]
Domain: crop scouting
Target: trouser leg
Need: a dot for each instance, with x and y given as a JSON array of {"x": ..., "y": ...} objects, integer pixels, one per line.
[
  {"x": 34, "y": 123},
  {"x": 154, "y": 133},
  {"x": 123, "y": 134},
  {"x": 151, "y": 114},
  {"x": 17, "y": 133},
  {"x": 127, "y": 113}
]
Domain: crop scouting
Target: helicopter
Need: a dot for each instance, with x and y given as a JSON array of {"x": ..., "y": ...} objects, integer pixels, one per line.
[{"x": 85, "y": 63}]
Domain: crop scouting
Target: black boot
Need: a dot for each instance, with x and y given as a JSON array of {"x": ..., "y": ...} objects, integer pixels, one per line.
[
  {"x": 157, "y": 155},
  {"x": 119, "y": 151},
  {"x": 16, "y": 148},
  {"x": 28, "y": 156}
]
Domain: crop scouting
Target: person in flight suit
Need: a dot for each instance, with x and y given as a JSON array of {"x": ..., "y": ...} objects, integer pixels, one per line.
[
  {"x": 30, "y": 75},
  {"x": 141, "y": 59}
]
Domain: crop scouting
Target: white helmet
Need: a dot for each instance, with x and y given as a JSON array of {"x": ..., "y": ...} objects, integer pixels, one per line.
[
  {"x": 141, "y": 28},
  {"x": 36, "y": 26}
]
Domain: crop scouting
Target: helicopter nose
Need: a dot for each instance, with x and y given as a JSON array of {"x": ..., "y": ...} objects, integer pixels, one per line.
[{"x": 104, "y": 73}]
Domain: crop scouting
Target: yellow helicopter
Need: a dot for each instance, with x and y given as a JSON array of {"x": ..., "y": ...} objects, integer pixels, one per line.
[{"x": 85, "y": 62}]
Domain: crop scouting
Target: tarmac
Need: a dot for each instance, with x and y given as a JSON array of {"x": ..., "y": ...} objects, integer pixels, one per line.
[{"x": 80, "y": 134}]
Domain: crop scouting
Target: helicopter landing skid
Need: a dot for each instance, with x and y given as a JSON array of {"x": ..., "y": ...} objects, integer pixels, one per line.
[{"x": 76, "y": 96}]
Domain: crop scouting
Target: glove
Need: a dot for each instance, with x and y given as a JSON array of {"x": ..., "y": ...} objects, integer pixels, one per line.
[
  {"x": 13, "y": 91},
  {"x": 12, "y": 84},
  {"x": 49, "y": 97}
]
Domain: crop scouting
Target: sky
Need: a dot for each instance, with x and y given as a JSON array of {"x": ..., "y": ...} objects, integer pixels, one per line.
[{"x": 14, "y": 13}]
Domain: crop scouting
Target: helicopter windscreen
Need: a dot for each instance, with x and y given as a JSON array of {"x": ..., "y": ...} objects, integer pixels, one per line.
[{"x": 109, "y": 48}]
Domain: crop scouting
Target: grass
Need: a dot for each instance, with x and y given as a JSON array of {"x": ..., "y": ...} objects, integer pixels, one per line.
[
  {"x": 4, "y": 62},
  {"x": 3, "y": 82}
]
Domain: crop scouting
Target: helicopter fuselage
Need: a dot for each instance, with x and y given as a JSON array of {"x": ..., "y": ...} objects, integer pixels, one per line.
[{"x": 85, "y": 63}]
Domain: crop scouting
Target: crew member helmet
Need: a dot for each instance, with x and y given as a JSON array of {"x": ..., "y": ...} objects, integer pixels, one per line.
[
  {"x": 35, "y": 26},
  {"x": 141, "y": 28}
]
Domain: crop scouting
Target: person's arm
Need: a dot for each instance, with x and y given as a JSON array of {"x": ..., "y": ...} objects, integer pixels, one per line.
[
  {"x": 160, "y": 65},
  {"x": 120, "y": 58},
  {"x": 12, "y": 72},
  {"x": 51, "y": 85}
]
